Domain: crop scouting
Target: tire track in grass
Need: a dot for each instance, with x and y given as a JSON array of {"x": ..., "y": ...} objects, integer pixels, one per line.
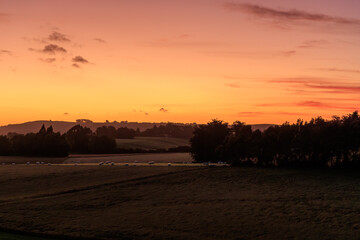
[{"x": 92, "y": 187}]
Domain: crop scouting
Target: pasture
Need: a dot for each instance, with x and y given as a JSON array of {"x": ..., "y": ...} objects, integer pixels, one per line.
[
  {"x": 153, "y": 202},
  {"x": 96, "y": 158},
  {"x": 151, "y": 143},
  {"x": 131, "y": 158},
  {"x": 21, "y": 160}
]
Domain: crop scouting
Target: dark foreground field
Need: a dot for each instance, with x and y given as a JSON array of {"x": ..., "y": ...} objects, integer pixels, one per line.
[{"x": 117, "y": 202}]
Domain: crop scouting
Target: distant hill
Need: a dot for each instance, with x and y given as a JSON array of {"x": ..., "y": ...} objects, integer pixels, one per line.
[{"x": 62, "y": 126}]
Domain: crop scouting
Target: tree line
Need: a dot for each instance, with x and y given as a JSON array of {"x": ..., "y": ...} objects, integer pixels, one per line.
[
  {"x": 168, "y": 130},
  {"x": 81, "y": 139},
  {"x": 318, "y": 143}
]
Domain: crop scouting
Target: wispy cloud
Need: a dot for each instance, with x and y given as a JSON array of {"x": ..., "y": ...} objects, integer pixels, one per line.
[
  {"x": 249, "y": 114},
  {"x": 312, "y": 104},
  {"x": 141, "y": 111},
  {"x": 266, "y": 105},
  {"x": 338, "y": 88},
  {"x": 291, "y": 113},
  {"x": 37, "y": 40},
  {"x": 51, "y": 49},
  {"x": 340, "y": 70},
  {"x": 7, "y": 52},
  {"x": 318, "y": 104},
  {"x": 291, "y": 15},
  {"x": 322, "y": 85},
  {"x": 232, "y": 85},
  {"x": 58, "y": 37},
  {"x": 288, "y": 53},
  {"x": 48, "y": 60},
  {"x": 257, "y": 114},
  {"x": 298, "y": 80},
  {"x": 52, "y": 37},
  {"x": 322, "y": 105},
  {"x": 80, "y": 59},
  {"x": 163, "y": 110},
  {"x": 99, "y": 40},
  {"x": 75, "y": 65},
  {"x": 313, "y": 43}
]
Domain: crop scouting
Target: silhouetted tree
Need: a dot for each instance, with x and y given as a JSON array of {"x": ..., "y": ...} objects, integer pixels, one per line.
[
  {"x": 238, "y": 145},
  {"x": 5, "y": 147},
  {"x": 207, "y": 141},
  {"x": 42, "y": 129},
  {"x": 78, "y": 138},
  {"x": 170, "y": 130},
  {"x": 108, "y": 131},
  {"x": 318, "y": 143},
  {"x": 45, "y": 143},
  {"x": 125, "y": 133},
  {"x": 102, "y": 144}
]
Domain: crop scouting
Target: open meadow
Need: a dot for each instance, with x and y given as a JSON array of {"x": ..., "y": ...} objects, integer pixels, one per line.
[
  {"x": 151, "y": 143},
  {"x": 97, "y": 158},
  {"x": 160, "y": 202},
  {"x": 131, "y": 158},
  {"x": 32, "y": 160}
]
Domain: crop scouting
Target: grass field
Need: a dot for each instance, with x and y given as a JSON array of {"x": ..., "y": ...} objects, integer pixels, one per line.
[
  {"x": 96, "y": 158},
  {"x": 131, "y": 158},
  {"x": 151, "y": 143},
  {"x": 117, "y": 202},
  {"x": 32, "y": 160}
]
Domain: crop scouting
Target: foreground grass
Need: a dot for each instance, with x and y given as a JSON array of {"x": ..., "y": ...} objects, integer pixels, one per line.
[
  {"x": 9, "y": 236},
  {"x": 180, "y": 202}
]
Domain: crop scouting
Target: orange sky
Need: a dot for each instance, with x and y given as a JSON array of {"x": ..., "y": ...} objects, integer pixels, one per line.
[{"x": 257, "y": 61}]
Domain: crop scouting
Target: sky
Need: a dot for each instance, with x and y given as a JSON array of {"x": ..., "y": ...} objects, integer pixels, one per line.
[{"x": 256, "y": 61}]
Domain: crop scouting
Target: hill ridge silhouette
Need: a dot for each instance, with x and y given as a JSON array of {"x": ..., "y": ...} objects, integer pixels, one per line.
[{"x": 64, "y": 126}]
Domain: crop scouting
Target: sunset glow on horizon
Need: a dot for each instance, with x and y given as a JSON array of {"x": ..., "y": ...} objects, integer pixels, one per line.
[{"x": 187, "y": 61}]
